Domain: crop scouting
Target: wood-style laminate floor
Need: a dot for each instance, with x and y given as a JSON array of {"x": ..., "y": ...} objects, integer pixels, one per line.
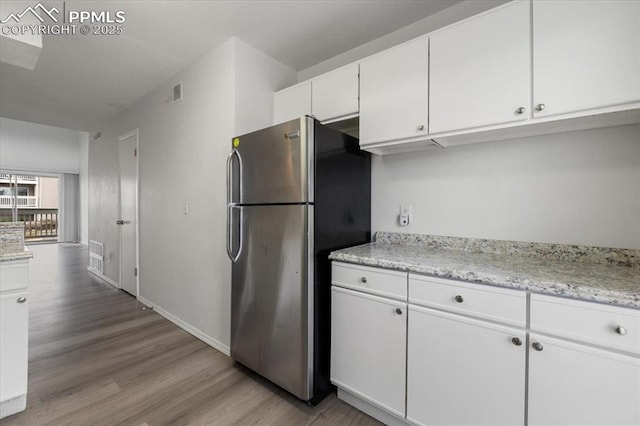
[{"x": 97, "y": 358}]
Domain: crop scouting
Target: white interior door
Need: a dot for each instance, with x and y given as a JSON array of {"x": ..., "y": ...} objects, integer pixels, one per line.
[{"x": 128, "y": 222}]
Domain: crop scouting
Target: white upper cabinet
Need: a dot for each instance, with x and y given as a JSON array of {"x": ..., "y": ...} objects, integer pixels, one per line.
[
  {"x": 480, "y": 70},
  {"x": 292, "y": 102},
  {"x": 335, "y": 94},
  {"x": 586, "y": 55},
  {"x": 394, "y": 94}
]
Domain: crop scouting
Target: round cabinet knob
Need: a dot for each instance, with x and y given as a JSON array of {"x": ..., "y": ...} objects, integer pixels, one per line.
[
  {"x": 540, "y": 107},
  {"x": 398, "y": 311},
  {"x": 520, "y": 110},
  {"x": 421, "y": 127},
  {"x": 621, "y": 330},
  {"x": 363, "y": 279},
  {"x": 537, "y": 346},
  {"x": 21, "y": 299},
  {"x": 458, "y": 299},
  {"x": 516, "y": 341}
]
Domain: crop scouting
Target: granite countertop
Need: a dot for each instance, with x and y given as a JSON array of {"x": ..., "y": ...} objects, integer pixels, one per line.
[
  {"x": 12, "y": 242},
  {"x": 603, "y": 275},
  {"x": 26, "y": 253}
]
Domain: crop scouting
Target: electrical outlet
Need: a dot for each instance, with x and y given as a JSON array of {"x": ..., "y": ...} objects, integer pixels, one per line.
[
  {"x": 185, "y": 207},
  {"x": 405, "y": 215}
]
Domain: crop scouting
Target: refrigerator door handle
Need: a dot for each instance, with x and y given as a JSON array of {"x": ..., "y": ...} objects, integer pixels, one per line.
[
  {"x": 230, "y": 176},
  {"x": 233, "y": 257}
]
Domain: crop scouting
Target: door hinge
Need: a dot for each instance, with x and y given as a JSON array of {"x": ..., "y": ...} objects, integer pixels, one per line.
[
  {"x": 135, "y": 272},
  {"x": 135, "y": 152}
]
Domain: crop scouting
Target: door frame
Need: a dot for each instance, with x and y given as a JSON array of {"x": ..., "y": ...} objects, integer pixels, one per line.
[{"x": 137, "y": 207}]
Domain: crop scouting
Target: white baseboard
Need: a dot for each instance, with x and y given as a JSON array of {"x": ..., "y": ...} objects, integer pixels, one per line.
[
  {"x": 12, "y": 406},
  {"x": 370, "y": 409},
  {"x": 216, "y": 344},
  {"x": 104, "y": 278}
]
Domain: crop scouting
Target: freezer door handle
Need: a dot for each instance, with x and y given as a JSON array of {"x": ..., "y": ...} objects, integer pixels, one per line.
[
  {"x": 230, "y": 176},
  {"x": 233, "y": 257}
]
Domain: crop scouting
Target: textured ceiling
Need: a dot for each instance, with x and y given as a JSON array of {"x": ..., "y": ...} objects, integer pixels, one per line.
[{"x": 82, "y": 80}]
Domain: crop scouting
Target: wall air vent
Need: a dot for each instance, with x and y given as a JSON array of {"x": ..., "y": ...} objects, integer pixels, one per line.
[
  {"x": 177, "y": 93},
  {"x": 97, "y": 136}
]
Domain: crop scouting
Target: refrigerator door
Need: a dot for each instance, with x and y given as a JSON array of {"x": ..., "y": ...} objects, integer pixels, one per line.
[
  {"x": 272, "y": 165},
  {"x": 271, "y": 329}
]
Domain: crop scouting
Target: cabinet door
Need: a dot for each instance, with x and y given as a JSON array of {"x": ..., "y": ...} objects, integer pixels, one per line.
[
  {"x": 368, "y": 348},
  {"x": 394, "y": 92},
  {"x": 335, "y": 94},
  {"x": 463, "y": 371},
  {"x": 586, "y": 55},
  {"x": 480, "y": 71},
  {"x": 292, "y": 102},
  {"x": 579, "y": 385},
  {"x": 14, "y": 335}
]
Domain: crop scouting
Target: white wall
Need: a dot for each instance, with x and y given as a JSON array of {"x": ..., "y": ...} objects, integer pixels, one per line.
[
  {"x": 441, "y": 19},
  {"x": 38, "y": 148},
  {"x": 257, "y": 77},
  {"x": 184, "y": 268},
  {"x": 572, "y": 188}
]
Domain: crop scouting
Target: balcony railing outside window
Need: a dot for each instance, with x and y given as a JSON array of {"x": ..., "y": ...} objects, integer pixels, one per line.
[
  {"x": 39, "y": 224},
  {"x": 23, "y": 201}
]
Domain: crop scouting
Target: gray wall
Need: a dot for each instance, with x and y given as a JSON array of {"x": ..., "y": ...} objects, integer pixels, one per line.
[
  {"x": 184, "y": 269},
  {"x": 572, "y": 188}
]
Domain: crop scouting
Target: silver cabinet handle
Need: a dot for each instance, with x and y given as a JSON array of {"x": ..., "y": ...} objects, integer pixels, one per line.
[
  {"x": 421, "y": 127},
  {"x": 119, "y": 222},
  {"x": 458, "y": 299},
  {"x": 363, "y": 279},
  {"x": 398, "y": 311},
  {"x": 520, "y": 110},
  {"x": 540, "y": 107},
  {"x": 21, "y": 299},
  {"x": 621, "y": 330},
  {"x": 537, "y": 346},
  {"x": 516, "y": 341}
]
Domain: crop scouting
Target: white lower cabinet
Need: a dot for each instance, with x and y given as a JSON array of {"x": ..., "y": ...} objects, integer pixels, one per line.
[
  {"x": 575, "y": 384},
  {"x": 14, "y": 340},
  {"x": 462, "y": 371},
  {"x": 468, "y": 354},
  {"x": 368, "y": 348}
]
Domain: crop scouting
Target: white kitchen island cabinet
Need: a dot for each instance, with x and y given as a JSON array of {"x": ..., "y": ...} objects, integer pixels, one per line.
[
  {"x": 480, "y": 70},
  {"x": 586, "y": 55},
  {"x": 14, "y": 335},
  {"x": 394, "y": 93}
]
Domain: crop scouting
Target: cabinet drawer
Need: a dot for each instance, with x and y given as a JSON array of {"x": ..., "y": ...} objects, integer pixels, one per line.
[
  {"x": 492, "y": 303},
  {"x": 609, "y": 326},
  {"x": 14, "y": 275},
  {"x": 376, "y": 281}
]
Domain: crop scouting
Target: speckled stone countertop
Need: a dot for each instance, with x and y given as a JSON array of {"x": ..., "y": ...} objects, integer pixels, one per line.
[
  {"x": 603, "y": 275},
  {"x": 12, "y": 242}
]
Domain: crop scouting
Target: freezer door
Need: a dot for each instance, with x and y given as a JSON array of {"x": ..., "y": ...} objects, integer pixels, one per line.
[
  {"x": 272, "y": 165},
  {"x": 271, "y": 300}
]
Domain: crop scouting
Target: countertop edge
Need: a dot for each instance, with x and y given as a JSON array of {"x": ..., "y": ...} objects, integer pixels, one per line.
[{"x": 555, "y": 288}]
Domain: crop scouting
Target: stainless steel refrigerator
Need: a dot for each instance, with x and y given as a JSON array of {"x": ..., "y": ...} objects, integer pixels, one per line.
[{"x": 295, "y": 192}]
